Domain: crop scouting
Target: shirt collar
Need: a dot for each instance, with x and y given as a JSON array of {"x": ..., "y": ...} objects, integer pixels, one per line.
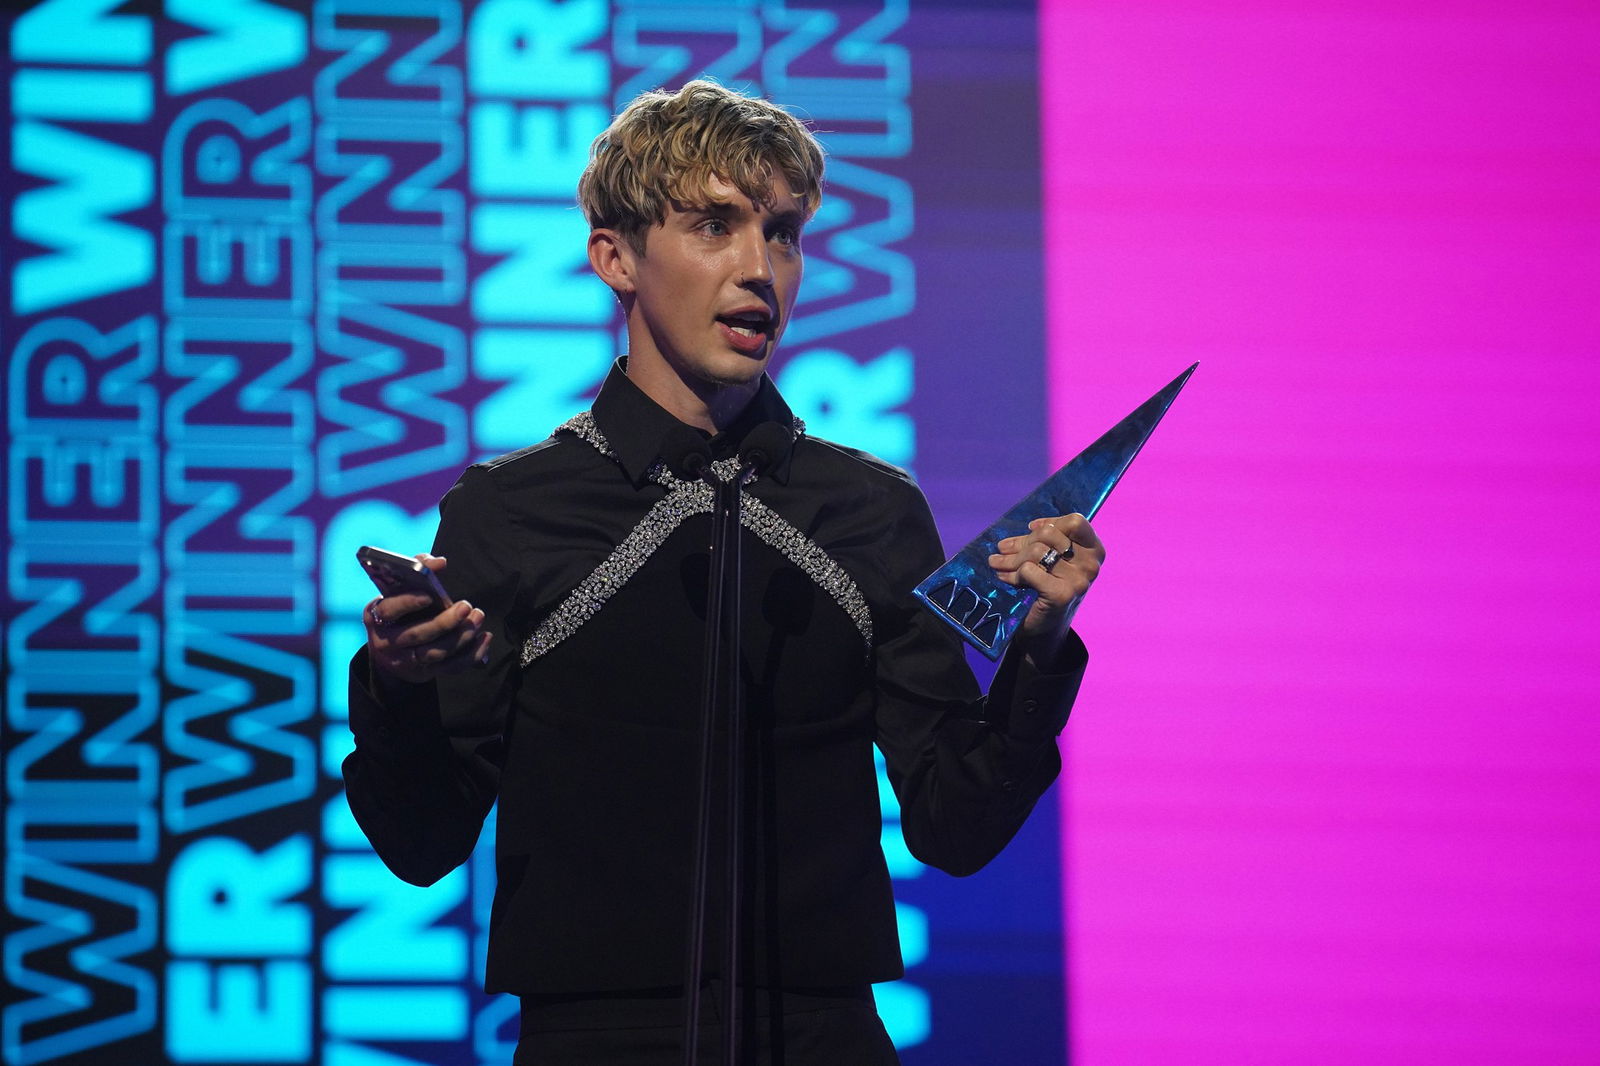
[{"x": 636, "y": 426}]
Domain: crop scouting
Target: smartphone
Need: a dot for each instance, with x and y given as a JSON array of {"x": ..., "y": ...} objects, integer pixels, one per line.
[{"x": 396, "y": 574}]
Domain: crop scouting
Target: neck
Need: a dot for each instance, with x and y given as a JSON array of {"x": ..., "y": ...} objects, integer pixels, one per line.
[{"x": 705, "y": 405}]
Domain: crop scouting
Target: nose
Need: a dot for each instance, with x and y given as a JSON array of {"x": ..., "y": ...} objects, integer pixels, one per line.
[{"x": 755, "y": 261}]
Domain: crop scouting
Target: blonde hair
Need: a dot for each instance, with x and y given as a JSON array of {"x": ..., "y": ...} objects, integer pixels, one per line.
[{"x": 667, "y": 147}]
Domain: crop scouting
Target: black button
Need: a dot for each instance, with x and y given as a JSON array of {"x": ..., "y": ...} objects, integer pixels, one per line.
[
  {"x": 1008, "y": 786},
  {"x": 1030, "y": 706}
]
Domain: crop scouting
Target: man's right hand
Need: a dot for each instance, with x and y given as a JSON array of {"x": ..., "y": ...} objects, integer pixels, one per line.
[{"x": 408, "y": 645}]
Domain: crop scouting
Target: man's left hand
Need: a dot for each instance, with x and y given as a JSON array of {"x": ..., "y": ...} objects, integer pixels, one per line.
[{"x": 1059, "y": 558}]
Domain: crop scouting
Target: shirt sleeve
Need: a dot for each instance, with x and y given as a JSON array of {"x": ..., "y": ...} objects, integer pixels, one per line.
[
  {"x": 426, "y": 764},
  {"x": 966, "y": 769}
]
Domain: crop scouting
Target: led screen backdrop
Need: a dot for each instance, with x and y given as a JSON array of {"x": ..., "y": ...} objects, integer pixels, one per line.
[
  {"x": 1332, "y": 783},
  {"x": 274, "y": 273}
]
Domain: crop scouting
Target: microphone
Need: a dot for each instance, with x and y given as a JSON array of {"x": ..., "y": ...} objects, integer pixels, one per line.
[
  {"x": 686, "y": 453},
  {"x": 762, "y": 446}
]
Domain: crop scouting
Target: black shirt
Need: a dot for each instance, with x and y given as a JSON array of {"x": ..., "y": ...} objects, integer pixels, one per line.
[{"x": 591, "y": 566}]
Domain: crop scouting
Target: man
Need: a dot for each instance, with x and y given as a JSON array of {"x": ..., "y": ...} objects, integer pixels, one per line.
[{"x": 565, "y": 681}]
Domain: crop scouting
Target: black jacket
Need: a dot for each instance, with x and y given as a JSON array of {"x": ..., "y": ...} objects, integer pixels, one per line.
[{"x": 591, "y": 748}]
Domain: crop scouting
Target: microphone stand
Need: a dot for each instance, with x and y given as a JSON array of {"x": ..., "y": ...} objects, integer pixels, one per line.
[{"x": 722, "y": 697}]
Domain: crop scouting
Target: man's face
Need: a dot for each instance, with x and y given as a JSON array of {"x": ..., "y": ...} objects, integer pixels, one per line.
[{"x": 715, "y": 285}]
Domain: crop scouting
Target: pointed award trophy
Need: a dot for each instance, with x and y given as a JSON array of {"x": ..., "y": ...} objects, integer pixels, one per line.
[{"x": 965, "y": 593}]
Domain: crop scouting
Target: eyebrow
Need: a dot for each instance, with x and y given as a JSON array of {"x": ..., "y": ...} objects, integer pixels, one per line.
[{"x": 789, "y": 216}]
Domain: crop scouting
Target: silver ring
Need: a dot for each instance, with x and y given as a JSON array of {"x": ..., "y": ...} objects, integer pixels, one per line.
[
  {"x": 1050, "y": 559},
  {"x": 372, "y": 609}
]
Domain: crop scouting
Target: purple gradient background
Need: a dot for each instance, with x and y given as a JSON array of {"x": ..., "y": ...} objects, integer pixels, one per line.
[{"x": 1331, "y": 789}]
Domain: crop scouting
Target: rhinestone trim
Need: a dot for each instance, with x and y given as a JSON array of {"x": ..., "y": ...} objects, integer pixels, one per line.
[
  {"x": 583, "y": 426},
  {"x": 683, "y": 500},
  {"x": 592, "y": 592},
  {"x": 815, "y": 563}
]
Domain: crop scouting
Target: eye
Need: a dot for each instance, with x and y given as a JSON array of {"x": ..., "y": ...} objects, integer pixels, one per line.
[
  {"x": 788, "y": 236},
  {"x": 716, "y": 227}
]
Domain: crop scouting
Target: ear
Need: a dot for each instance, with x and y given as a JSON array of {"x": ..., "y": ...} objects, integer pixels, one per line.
[{"x": 613, "y": 259}]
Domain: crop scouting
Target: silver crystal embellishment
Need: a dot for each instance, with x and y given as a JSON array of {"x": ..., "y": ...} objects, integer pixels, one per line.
[{"x": 684, "y": 499}]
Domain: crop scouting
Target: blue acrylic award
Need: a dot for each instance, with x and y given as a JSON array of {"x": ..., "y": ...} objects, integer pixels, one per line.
[{"x": 965, "y": 593}]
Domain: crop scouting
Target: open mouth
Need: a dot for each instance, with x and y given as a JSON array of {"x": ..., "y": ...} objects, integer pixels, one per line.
[
  {"x": 748, "y": 323},
  {"x": 747, "y": 331}
]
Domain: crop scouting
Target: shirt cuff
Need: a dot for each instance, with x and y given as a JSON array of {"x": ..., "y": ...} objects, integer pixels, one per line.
[
  {"x": 389, "y": 715},
  {"x": 1031, "y": 701}
]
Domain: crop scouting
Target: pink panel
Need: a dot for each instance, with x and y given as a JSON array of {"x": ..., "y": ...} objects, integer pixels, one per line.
[{"x": 1333, "y": 787}]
